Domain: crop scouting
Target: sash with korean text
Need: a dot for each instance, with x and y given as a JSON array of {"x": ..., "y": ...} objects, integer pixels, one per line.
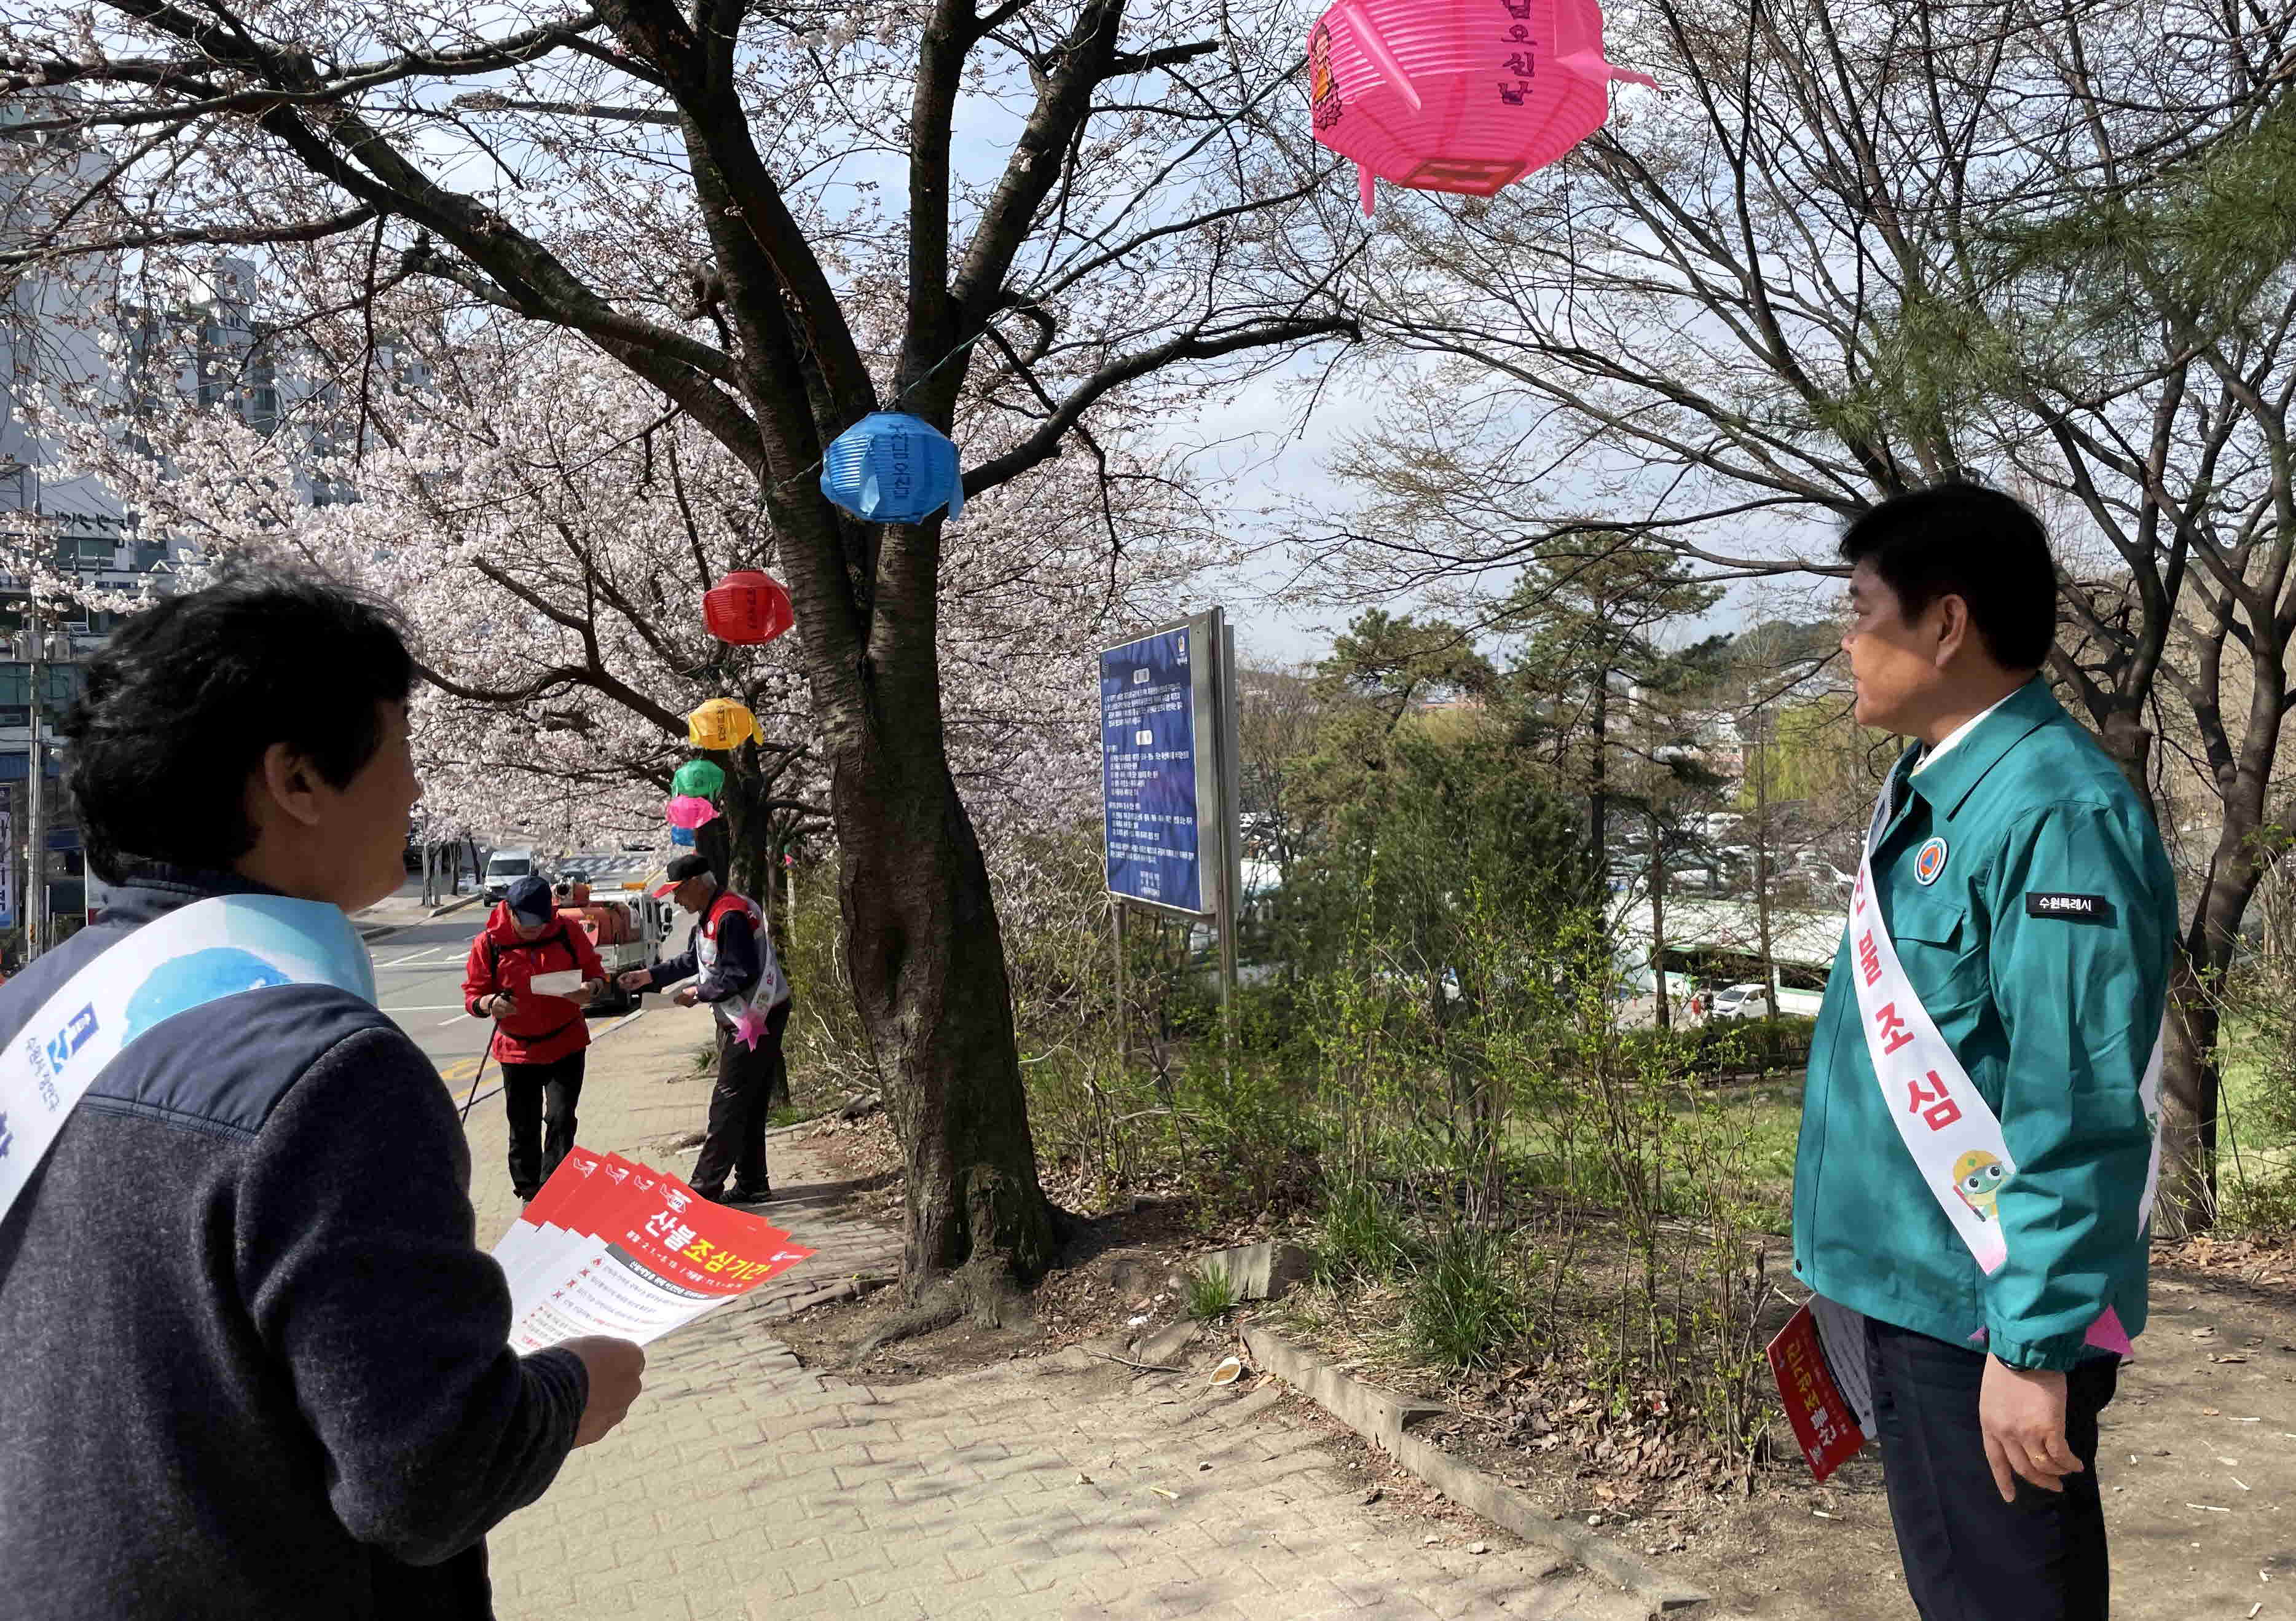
[
  {"x": 200, "y": 953},
  {"x": 1954, "y": 1138}
]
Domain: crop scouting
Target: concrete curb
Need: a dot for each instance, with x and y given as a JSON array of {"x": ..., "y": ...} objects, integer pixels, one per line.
[
  {"x": 373, "y": 932},
  {"x": 1386, "y": 1421}
]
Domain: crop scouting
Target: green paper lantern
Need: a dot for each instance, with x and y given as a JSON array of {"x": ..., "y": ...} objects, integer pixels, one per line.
[{"x": 701, "y": 778}]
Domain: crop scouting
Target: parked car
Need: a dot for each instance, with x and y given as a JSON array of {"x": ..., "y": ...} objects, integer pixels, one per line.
[
  {"x": 1746, "y": 1001},
  {"x": 507, "y": 868}
]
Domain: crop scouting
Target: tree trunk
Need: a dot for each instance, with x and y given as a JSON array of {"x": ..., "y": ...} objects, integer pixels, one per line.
[
  {"x": 2192, "y": 1078},
  {"x": 2189, "y": 1086},
  {"x": 1598, "y": 782},
  {"x": 926, "y": 961}
]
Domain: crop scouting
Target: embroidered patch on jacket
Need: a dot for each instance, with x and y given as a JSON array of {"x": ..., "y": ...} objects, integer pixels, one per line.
[
  {"x": 2070, "y": 908},
  {"x": 1929, "y": 861}
]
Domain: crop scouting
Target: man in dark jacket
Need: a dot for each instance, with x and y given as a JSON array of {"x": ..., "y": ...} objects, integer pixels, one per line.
[
  {"x": 734, "y": 970},
  {"x": 257, "y": 1366},
  {"x": 540, "y": 1039}
]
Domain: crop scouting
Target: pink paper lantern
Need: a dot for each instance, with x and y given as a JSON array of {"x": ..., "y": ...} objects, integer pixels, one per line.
[
  {"x": 1458, "y": 95},
  {"x": 686, "y": 811}
]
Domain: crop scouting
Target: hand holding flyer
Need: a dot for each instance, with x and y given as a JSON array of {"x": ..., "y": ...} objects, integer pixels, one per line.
[{"x": 610, "y": 1246}]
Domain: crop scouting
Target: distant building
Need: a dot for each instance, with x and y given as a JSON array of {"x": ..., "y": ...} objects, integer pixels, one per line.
[
  {"x": 77, "y": 328},
  {"x": 1715, "y": 943},
  {"x": 56, "y": 324}
]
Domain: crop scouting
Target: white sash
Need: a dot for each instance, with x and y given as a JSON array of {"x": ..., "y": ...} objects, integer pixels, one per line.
[
  {"x": 772, "y": 988},
  {"x": 1955, "y": 1140},
  {"x": 198, "y": 954}
]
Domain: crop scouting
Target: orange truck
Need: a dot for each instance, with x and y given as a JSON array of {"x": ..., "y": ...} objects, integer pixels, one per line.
[{"x": 627, "y": 925}]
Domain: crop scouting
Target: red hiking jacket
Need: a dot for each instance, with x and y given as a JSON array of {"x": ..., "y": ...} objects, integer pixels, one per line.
[{"x": 544, "y": 1028}]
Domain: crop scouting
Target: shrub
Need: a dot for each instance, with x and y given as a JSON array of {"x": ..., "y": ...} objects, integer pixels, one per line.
[
  {"x": 1360, "y": 1235},
  {"x": 1245, "y": 1130},
  {"x": 828, "y": 1050}
]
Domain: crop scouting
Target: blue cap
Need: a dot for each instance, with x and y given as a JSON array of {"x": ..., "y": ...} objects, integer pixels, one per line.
[{"x": 529, "y": 901}]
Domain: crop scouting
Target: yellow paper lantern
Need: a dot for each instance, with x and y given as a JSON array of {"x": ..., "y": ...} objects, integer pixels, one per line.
[{"x": 721, "y": 724}]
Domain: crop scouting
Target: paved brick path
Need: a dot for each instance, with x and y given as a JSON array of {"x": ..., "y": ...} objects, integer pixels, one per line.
[{"x": 744, "y": 1487}]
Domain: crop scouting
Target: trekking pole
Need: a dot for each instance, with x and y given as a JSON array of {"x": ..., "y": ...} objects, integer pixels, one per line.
[{"x": 486, "y": 1053}]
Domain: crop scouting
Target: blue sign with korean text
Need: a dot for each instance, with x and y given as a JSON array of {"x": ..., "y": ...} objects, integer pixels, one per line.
[{"x": 1148, "y": 771}]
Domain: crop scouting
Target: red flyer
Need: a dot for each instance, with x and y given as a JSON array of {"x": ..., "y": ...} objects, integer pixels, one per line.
[
  {"x": 1830, "y": 1412},
  {"x": 611, "y": 1247}
]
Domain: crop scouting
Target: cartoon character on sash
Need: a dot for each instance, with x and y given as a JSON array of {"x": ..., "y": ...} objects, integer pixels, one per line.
[{"x": 1977, "y": 1177}]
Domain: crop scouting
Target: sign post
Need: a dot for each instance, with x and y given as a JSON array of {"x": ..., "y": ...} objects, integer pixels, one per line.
[{"x": 1170, "y": 780}]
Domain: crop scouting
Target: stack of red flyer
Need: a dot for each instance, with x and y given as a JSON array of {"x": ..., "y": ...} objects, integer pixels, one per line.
[{"x": 611, "y": 1247}]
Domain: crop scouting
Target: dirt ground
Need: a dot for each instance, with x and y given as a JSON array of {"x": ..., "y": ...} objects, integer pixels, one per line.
[
  {"x": 2198, "y": 1462},
  {"x": 2198, "y": 1465}
]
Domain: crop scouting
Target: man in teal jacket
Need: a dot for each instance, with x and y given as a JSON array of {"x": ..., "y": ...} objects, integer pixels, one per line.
[{"x": 2032, "y": 908}]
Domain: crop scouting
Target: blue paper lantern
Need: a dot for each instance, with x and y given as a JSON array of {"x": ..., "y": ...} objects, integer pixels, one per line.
[
  {"x": 682, "y": 838},
  {"x": 890, "y": 467}
]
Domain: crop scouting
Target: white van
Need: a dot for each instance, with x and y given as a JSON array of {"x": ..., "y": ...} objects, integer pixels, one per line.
[{"x": 506, "y": 868}]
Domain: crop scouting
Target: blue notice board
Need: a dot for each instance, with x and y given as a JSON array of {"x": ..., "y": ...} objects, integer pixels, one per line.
[{"x": 1148, "y": 771}]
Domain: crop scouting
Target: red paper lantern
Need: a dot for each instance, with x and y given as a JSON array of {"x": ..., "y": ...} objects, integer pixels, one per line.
[{"x": 747, "y": 608}]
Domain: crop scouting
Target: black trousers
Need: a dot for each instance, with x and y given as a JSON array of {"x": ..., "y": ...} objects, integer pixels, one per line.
[
  {"x": 540, "y": 1100},
  {"x": 1968, "y": 1555},
  {"x": 735, "y": 1138}
]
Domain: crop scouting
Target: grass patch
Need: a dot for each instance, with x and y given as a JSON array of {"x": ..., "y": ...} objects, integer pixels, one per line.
[
  {"x": 1360, "y": 1236},
  {"x": 1212, "y": 1293},
  {"x": 1464, "y": 1307}
]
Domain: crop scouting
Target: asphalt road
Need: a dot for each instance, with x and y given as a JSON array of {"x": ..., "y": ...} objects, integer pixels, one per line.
[{"x": 419, "y": 972}]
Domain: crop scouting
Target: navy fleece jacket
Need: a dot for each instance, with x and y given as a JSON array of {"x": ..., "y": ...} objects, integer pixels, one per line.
[{"x": 255, "y": 1364}]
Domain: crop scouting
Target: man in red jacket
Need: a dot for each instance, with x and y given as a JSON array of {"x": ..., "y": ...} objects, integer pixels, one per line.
[{"x": 538, "y": 1038}]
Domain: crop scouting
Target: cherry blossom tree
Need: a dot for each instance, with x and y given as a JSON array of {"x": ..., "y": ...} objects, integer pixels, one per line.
[
  {"x": 780, "y": 217},
  {"x": 548, "y": 531}
]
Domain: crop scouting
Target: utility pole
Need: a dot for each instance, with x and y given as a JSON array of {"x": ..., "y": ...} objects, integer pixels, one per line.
[
  {"x": 1762, "y": 852},
  {"x": 1661, "y": 1009},
  {"x": 36, "y": 852}
]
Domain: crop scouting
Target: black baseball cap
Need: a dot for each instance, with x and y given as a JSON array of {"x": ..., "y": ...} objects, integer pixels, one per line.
[
  {"x": 529, "y": 900},
  {"x": 681, "y": 869}
]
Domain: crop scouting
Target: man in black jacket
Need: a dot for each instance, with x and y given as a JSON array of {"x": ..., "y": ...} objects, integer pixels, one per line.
[
  {"x": 256, "y": 1365},
  {"x": 734, "y": 967}
]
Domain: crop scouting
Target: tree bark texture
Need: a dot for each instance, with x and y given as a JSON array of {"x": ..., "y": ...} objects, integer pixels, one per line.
[
  {"x": 2192, "y": 1072},
  {"x": 927, "y": 960}
]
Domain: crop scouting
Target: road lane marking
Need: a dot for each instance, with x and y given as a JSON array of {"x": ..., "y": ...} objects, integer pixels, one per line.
[
  {"x": 400, "y": 962},
  {"x": 463, "y": 1069}
]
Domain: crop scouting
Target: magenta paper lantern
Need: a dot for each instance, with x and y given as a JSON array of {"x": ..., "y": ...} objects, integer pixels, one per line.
[
  {"x": 1458, "y": 95},
  {"x": 686, "y": 811}
]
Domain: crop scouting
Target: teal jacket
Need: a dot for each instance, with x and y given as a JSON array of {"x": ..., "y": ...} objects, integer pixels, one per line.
[{"x": 2051, "y": 1005}]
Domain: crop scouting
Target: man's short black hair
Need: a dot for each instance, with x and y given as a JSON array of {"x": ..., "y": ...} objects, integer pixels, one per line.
[
  {"x": 1963, "y": 540},
  {"x": 181, "y": 703}
]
